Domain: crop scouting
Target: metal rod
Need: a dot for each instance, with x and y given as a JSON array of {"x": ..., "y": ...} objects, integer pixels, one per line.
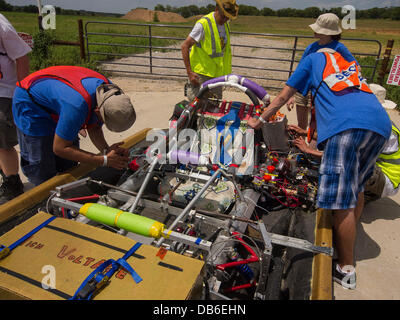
[
  {"x": 101, "y": 183},
  {"x": 191, "y": 203},
  {"x": 144, "y": 185}
]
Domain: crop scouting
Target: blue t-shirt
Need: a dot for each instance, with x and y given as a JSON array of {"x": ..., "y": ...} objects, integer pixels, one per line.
[
  {"x": 335, "y": 45},
  {"x": 340, "y": 111},
  {"x": 62, "y": 100}
]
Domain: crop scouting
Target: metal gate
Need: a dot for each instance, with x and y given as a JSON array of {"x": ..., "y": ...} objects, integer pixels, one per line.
[{"x": 154, "y": 50}]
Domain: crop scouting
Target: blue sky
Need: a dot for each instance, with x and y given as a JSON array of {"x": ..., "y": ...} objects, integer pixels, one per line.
[{"x": 123, "y": 6}]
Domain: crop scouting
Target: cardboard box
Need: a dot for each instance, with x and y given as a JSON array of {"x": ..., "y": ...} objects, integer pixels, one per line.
[{"x": 66, "y": 252}]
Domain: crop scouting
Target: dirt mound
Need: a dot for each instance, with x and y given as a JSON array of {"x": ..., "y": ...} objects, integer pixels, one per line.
[
  {"x": 195, "y": 18},
  {"x": 148, "y": 16}
]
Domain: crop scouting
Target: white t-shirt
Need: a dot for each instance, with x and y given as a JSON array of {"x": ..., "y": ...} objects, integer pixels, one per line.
[
  {"x": 197, "y": 33},
  {"x": 12, "y": 47}
]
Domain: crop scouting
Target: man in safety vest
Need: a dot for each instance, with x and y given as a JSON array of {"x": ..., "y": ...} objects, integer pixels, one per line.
[
  {"x": 52, "y": 105},
  {"x": 206, "y": 51},
  {"x": 386, "y": 178},
  {"x": 352, "y": 130}
]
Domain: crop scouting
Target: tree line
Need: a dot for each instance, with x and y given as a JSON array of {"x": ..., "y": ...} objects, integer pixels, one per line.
[
  {"x": 4, "y": 6},
  {"x": 392, "y": 13}
]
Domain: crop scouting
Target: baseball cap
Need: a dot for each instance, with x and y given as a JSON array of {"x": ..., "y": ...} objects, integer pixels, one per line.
[
  {"x": 328, "y": 24},
  {"x": 115, "y": 107}
]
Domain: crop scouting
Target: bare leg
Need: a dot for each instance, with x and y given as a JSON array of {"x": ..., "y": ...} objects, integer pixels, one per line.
[
  {"x": 360, "y": 206},
  {"x": 345, "y": 229},
  {"x": 344, "y": 222},
  {"x": 9, "y": 161}
]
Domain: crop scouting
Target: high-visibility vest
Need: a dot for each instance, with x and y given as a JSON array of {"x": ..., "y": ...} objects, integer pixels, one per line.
[
  {"x": 340, "y": 74},
  {"x": 71, "y": 76},
  {"x": 390, "y": 162},
  {"x": 207, "y": 57}
]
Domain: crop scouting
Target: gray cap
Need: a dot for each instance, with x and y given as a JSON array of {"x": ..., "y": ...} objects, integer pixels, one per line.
[{"x": 115, "y": 107}]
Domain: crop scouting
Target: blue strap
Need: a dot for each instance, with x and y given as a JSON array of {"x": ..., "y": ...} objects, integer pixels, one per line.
[
  {"x": 28, "y": 235},
  {"x": 97, "y": 275}
]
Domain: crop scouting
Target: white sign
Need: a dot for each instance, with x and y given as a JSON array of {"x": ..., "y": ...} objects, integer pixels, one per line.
[
  {"x": 394, "y": 75},
  {"x": 27, "y": 38}
]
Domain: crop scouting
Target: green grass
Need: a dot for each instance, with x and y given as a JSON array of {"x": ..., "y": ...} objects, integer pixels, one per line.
[{"x": 67, "y": 30}]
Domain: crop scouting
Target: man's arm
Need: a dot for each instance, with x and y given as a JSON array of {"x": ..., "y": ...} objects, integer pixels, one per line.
[
  {"x": 286, "y": 93},
  {"x": 301, "y": 144},
  {"x": 116, "y": 156},
  {"x": 185, "y": 48}
]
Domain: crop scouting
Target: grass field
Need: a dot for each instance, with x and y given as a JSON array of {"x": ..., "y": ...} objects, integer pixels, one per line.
[{"x": 67, "y": 30}]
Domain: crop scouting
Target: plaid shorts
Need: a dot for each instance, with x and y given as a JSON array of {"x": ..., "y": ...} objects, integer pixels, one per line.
[{"x": 347, "y": 163}]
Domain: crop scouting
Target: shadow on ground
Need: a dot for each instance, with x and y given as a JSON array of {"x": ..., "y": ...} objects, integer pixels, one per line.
[{"x": 386, "y": 209}]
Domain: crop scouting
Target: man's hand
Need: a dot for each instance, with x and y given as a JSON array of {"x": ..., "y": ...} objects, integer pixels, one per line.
[
  {"x": 297, "y": 129},
  {"x": 290, "y": 104},
  {"x": 301, "y": 145},
  {"x": 116, "y": 147},
  {"x": 194, "y": 78},
  {"x": 117, "y": 159},
  {"x": 254, "y": 123}
]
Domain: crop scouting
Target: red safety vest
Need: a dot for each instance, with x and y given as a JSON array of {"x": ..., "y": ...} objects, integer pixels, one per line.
[
  {"x": 71, "y": 76},
  {"x": 338, "y": 75}
]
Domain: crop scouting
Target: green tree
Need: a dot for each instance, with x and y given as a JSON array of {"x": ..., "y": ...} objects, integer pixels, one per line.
[
  {"x": 267, "y": 12},
  {"x": 159, "y": 7},
  {"x": 311, "y": 12},
  {"x": 4, "y": 6}
]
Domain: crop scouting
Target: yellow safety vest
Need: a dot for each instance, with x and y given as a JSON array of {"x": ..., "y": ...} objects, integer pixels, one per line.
[
  {"x": 207, "y": 57},
  {"x": 390, "y": 162}
]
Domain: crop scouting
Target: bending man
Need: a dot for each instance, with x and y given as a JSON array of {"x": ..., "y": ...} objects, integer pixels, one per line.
[{"x": 52, "y": 105}]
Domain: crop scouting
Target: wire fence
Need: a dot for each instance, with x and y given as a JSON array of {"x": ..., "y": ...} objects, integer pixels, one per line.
[{"x": 154, "y": 50}]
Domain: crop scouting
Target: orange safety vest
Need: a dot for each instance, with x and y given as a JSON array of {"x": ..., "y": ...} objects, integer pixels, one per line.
[
  {"x": 338, "y": 75},
  {"x": 71, "y": 76}
]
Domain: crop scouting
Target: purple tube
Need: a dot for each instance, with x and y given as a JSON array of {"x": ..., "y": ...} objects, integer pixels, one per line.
[
  {"x": 184, "y": 157},
  {"x": 259, "y": 91}
]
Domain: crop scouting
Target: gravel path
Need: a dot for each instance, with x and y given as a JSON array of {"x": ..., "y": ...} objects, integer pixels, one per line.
[{"x": 249, "y": 53}]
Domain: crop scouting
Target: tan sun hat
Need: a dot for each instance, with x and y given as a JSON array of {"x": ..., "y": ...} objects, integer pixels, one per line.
[
  {"x": 380, "y": 93},
  {"x": 115, "y": 107},
  {"x": 328, "y": 24},
  {"x": 229, "y": 8}
]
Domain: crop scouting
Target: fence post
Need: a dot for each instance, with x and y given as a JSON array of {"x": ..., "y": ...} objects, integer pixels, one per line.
[
  {"x": 293, "y": 56},
  {"x": 81, "y": 42},
  {"x": 385, "y": 62},
  {"x": 151, "y": 51}
]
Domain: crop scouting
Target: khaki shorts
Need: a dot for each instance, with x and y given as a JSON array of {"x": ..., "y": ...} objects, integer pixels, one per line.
[
  {"x": 8, "y": 132},
  {"x": 192, "y": 91},
  {"x": 374, "y": 185},
  {"x": 301, "y": 100}
]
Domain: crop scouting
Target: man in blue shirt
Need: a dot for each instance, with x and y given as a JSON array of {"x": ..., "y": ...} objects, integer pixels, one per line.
[
  {"x": 352, "y": 129},
  {"x": 52, "y": 105}
]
